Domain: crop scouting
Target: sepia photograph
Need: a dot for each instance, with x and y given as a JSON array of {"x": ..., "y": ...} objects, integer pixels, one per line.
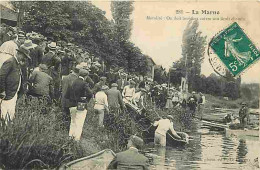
[{"x": 135, "y": 84}]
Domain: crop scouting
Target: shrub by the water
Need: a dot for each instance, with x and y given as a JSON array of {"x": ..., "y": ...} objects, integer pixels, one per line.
[{"x": 36, "y": 139}]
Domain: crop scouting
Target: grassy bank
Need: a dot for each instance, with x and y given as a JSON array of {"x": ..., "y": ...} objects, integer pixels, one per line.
[{"x": 36, "y": 139}]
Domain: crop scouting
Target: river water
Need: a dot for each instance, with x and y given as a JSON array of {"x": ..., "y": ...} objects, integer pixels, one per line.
[{"x": 208, "y": 150}]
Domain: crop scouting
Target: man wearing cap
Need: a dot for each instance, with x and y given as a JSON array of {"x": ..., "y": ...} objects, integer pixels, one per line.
[
  {"x": 79, "y": 96},
  {"x": 11, "y": 81},
  {"x": 101, "y": 104},
  {"x": 21, "y": 38},
  {"x": 164, "y": 125},
  {"x": 114, "y": 98},
  {"x": 243, "y": 114},
  {"x": 131, "y": 158},
  {"x": 42, "y": 83},
  {"x": 192, "y": 103},
  {"x": 128, "y": 92},
  {"x": 101, "y": 83}
]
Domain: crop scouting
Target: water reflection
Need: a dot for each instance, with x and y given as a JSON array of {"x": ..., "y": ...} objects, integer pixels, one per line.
[
  {"x": 241, "y": 151},
  {"x": 208, "y": 151}
]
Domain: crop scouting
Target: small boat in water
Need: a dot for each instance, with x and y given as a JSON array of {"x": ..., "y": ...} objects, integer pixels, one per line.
[
  {"x": 149, "y": 130},
  {"x": 97, "y": 161}
]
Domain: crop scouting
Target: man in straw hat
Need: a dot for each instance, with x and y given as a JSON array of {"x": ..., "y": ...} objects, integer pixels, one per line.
[
  {"x": 79, "y": 96},
  {"x": 49, "y": 57},
  {"x": 11, "y": 82},
  {"x": 101, "y": 104},
  {"x": 130, "y": 159},
  {"x": 163, "y": 125}
]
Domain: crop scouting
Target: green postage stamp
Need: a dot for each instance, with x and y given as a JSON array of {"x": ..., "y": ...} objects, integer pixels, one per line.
[{"x": 235, "y": 49}]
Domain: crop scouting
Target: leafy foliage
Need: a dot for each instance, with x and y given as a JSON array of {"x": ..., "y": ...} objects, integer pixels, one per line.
[{"x": 84, "y": 24}]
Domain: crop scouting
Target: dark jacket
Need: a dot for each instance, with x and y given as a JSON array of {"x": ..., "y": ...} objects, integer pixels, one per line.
[
  {"x": 48, "y": 59},
  {"x": 66, "y": 88},
  {"x": 42, "y": 84},
  {"x": 129, "y": 159},
  {"x": 79, "y": 88},
  {"x": 114, "y": 98},
  {"x": 10, "y": 75},
  {"x": 36, "y": 54}
]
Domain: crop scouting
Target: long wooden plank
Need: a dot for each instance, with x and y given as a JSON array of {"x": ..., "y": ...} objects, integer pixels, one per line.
[{"x": 214, "y": 124}]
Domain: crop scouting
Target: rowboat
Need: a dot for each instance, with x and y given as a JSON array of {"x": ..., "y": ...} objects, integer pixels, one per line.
[
  {"x": 97, "y": 161},
  {"x": 148, "y": 129}
]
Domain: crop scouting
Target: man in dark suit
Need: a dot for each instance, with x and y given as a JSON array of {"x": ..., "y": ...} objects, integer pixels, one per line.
[
  {"x": 80, "y": 91},
  {"x": 11, "y": 82},
  {"x": 114, "y": 97},
  {"x": 130, "y": 159},
  {"x": 66, "y": 88},
  {"x": 53, "y": 63},
  {"x": 79, "y": 96}
]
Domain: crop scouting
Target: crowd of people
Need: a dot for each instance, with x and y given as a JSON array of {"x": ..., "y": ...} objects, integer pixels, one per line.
[{"x": 64, "y": 73}]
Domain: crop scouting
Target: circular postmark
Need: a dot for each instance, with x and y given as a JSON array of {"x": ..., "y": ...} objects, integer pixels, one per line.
[{"x": 215, "y": 62}]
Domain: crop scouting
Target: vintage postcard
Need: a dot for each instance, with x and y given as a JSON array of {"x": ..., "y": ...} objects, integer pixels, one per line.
[{"x": 129, "y": 84}]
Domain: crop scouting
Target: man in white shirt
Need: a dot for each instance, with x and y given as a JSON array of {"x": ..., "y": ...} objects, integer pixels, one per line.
[
  {"x": 101, "y": 104},
  {"x": 163, "y": 125},
  {"x": 138, "y": 98},
  {"x": 128, "y": 92},
  {"x": 201, "y": 105}
]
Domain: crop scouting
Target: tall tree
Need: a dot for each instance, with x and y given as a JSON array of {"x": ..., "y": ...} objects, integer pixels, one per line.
[
  {"x": 193, "y": 49},
  {"x": 121, "y": 11}
]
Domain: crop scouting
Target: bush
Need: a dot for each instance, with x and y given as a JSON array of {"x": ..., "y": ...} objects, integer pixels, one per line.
[{"x": 36, "y": 140}]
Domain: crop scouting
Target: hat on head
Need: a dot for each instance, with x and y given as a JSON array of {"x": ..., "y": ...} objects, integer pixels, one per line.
[
  {"x": 97, "y": 64},
  {"x": 193, "y": 92},
  {"x": 169, "y": 117},
  {"x": 243, "y": 104},
  {"x": 96, "y": 59},
  {"x": 132, "y": 82},
  {"x": 83, "y": 72},
  {"x": 52, "y": 46},
  {"x": 105, "y": 87},
  {"x": 28, "y": 44},
  {"x": 79, "y": 66},
  {"x": 61, "y": 52},
  {"x": 43, "y": 67},
  {"x": 137, "y": 141},
  {"x": 21, "y": 34},
  {"x": 103, "y": 78},
  {"x": 114, "y": 85},
  {"x": 24, "y": 51}
]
